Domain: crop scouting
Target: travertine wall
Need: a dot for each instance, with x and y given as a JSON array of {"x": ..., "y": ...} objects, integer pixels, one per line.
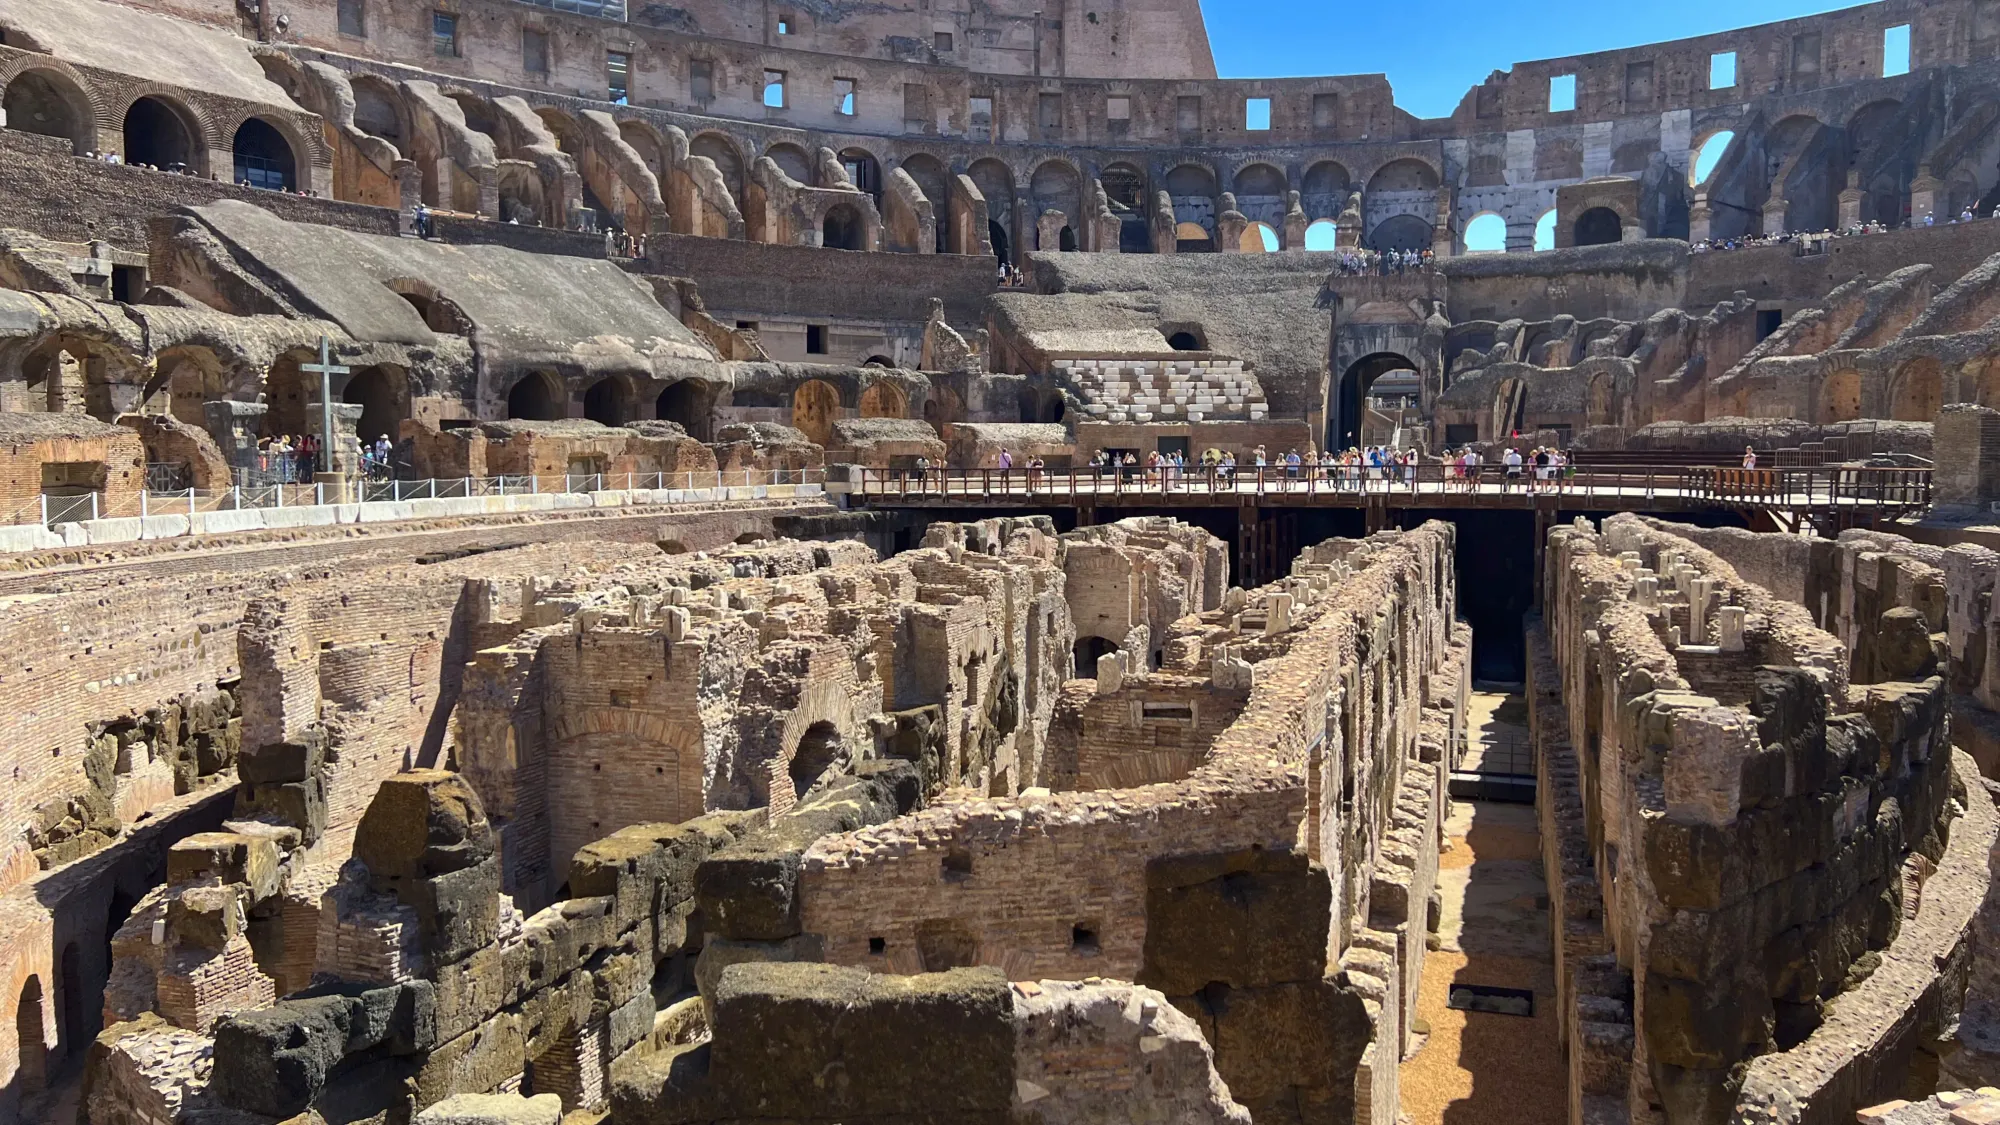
[{"x": 1752, "y": 823}]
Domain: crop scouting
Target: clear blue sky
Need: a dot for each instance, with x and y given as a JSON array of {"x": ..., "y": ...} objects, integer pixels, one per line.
[{"x": 1435, "y": 50}]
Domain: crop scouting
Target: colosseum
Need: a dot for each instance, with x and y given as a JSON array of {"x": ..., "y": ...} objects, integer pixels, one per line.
[{"x": 822, "y": 562}]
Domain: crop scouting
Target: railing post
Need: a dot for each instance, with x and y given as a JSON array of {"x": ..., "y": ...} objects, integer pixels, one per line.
[
  {"x": 145, "y": 503},
  {"x": 190, "y": 500},
  {"x": 434, "y": 488},
  {"x": 45, "y": 509}
]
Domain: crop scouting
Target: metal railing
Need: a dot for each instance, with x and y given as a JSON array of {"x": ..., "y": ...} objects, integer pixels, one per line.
[
  {"x": 50, "y": 509},
  {"x": 1819, "y": 487}
]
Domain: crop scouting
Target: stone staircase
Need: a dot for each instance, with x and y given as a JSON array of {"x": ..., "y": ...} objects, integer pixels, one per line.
[{"x": 1152, "y": 390}]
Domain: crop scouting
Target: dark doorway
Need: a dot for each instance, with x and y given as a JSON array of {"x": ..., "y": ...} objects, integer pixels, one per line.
[
  {"x": 1354, "y": 384},
  {"x": 1088, "y": 651},
  {"x": 536, "y": 398},
  {"x": 74, "y": 1027},
  {"x": 372, "y": 390},
  {"x": 821, "y": 749},
  {"x": 1599, "y": 226},
  {"x": 1184, "y": 342},
  {"x": 34, "y": 1066},
  {"x": 608, "y": 401},
  {"x": 1496, "y": 585},
  {"x": 263, "y": 157},
  {"x": 687, "y": 403},
  {"x": 1066, "y": 240},
  {"x": 1400, "y": 232},
  {"x": 842, "y": 229},
  {"x": 998, "y": 235},
  {"x": 156, "y": 135}
]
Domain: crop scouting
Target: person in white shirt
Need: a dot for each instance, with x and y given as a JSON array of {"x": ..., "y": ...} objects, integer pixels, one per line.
[{"x": 1512, "y": 460}]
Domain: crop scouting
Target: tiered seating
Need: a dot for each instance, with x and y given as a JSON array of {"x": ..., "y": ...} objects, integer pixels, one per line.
[{"x": 1151, "y": 390}]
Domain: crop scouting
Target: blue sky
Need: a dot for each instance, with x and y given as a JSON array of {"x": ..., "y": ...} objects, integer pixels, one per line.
[{"x": 1435, "y": 50}]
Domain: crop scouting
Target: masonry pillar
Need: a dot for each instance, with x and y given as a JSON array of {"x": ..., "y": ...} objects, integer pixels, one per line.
[
  {"x": 1923, "y": 196},
  {"x": 1851, "y": 202},
  {"x": 1520, "y": 235},
  {"x": 1967, "y": 448},
  {"x": 1698, "y": 219}
]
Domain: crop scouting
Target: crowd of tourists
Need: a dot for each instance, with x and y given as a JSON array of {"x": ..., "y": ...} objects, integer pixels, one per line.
[
  {"x": 1814, "y": 241},
  {"x": 1357, "y": 468},
  {"x": 1382, "y": 263}
]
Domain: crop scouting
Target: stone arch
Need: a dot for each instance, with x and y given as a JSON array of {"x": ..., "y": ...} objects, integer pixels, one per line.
[
  {"x": 1260, "y": 179},
  {"x": 1840, "y": 397},
  {"x": 1866, "y": 125},
  {"x": 1057, "y": 186},
  {"x": 822, "y": 749},
  {"x": 729, "y": 160},
  {"x": 689, "y": 403},
  {"x": 480, "y": 117},
  {"x": 1405, "y": 174},
  {"x": 521, "y": 195},
  {"x": 935, "y": 181},
  {"x": 645, "y": 140},
  {"x": 884, "y": 400},
  {"x": 50, "y": 103},
  {"x": 609, "y": 401},
  {"x": 1708, "y": 156},
  {"x": 1258, "y": 238},
  {"x": 190, "y": 376},
  {"x": 440, "y": 313},
  {"x": 69, "y": 372},
  {"x": 1784, "y": 138},
  {"x": 264, "y": 156},
  {"x": 160, "y": 130},
  {"x": 793, "y": 161},
  {"x": 843, "y": 228},
  {"x": 383, "y": 393},
  {"x": 1193, "y": 190},
  {"x": 864, "y": 171},
  {"x": 1353, "y": 393},
  {"x": 379, "y": 110},
  {"x": 537, "y": 396},
  {"x": 1327, "y": 186},
  {"x": 31, "y": 1037},
  {"x": 1918, "y": 391},
  {"x": 563, "y": 127},
  {"x": 815, "y": 407},
  {"x": 1400, "y": 232},
  {"x": 1599, "y": 226},
  {"x": 636, "y": 749},
  {"x": 1486, "y": 233},
  {"x": 1598, "y": 399}
]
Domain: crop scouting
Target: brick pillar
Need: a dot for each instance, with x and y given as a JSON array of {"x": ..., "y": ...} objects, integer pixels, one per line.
[
  {"x": 1967, "y": 455},
  {"x": 574, "y": 1067}
]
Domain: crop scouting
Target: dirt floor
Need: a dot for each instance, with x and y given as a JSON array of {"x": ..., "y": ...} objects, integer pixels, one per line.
[{"x": 1477, "y": 1068}]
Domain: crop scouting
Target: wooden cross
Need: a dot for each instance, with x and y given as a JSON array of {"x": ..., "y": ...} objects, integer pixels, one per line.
[{"x": 326, "y": 369}]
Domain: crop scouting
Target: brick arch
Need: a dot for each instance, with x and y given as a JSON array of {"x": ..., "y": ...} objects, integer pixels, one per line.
[
  {"x": 308, "y": 146},
  {"x": 825, "y": 701},
  {"x": 82, "y": 95},
  {"x": 1437, "y": 173},
  {"x": 176, "y": 98},
  {"x": 1917, "y": 392},
  {"x": 617, "y": 766}
]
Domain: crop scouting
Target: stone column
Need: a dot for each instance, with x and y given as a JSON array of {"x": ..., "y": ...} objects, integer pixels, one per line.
[
  {"x": 1924, "y": 196},
  {"x": 1851, "y": 202}
]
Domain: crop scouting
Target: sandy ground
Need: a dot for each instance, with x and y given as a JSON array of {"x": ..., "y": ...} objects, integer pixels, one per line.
[{"x": 1478, "y": 1068}]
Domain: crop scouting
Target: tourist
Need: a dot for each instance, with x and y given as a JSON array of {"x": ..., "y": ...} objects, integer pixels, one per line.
[
  {"x": 1511, "y": 473},
  {"x": 1291, "y": 468},
  {"x": 1006, "y": 459},
  {"x": 308, "y": 455},
  {"x": 1749, "y": 457}
]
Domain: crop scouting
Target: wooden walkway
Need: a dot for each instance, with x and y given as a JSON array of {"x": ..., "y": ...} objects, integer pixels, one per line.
[{"x": 1826, "y": 497}]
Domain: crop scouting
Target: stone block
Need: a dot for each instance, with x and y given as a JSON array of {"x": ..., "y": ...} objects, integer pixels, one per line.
[
  {"x": 28, "y": 537},
  {"x": 1244, "y": 919},
  {"x": 207, "y": 917},
  {"x": 163, "y": 527},
  {"x": 121, "y": 530},
  {"x": 228, "y": 522},
  {"x": 229, "y": 857},
  {"x": 301, "y": 804},
  {"x": 820, "y": 1042},
  {"x": 277, "y": 762},
  {"x": 423, "y": 823},
  {"x": 275, "y": 1060}
]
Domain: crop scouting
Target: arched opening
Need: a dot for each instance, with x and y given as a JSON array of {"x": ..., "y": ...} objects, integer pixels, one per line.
[
  {"x": 1055, "y": 186},
  {"x": 1486, "y": 234},
  {"x": 822, "y": 750},
  {"x": 438, "y": 314},
  {"x": 48, "y": 105},
  {"x": 815, "y": 406},
  {"x": 1986, "y": 384},
  {"x": 878, "y": 361},
  {"x": 1400, "y": 232},
  {"x": 73, "y": 1022},
  {"x": 1403, "y": 175},
  {"x": 1192, "y": 190},
  {"x": 932, "y": 179},
  {"x": 263, "y": 157},
  {"x": 1087, "y": 652},
  {"x": 1323, "y": 235},
  {"x": 1191, "y": 238},
  {"x": 1545, "y": 230},
  {"x": 995, "y": 182},
  {"x": 1840, "y": 397},
  {"x": 1184, "y": 341},
  {"x": 382, "y": 411},
  {"x": 1919, "y": 392},
  {"x": 687, "y": 403},
  {"x": 863, "y": 171},
  {"x": 1125, "y": 192},
  {"x": 1351, "y": 422},
  {"x": 378, "y": 110},
  {"x": 29, "y": 1034},
  {"x": 1708, "y": 156},
  {"x": 884, "y": 400},
  {"x": 538, "y": 397},
  {"x": 1599, "y": 226},
  {"x": 997, "y": 234},
  {"x": 792, "y": 161},
  {"x": 608, "y": 402},
  {"x": 158, "y": 134},
  {"x": 1258, "y": 238},
  {"x": 842, "y": 228},
  {"x": 1066, "y": 240}
]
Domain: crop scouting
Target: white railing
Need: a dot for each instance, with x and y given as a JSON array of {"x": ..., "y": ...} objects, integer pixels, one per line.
[{"x": 49, "y": 510}]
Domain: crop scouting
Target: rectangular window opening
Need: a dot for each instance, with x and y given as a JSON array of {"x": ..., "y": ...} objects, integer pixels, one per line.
[
  {"x": 1722, "y": 70},
  {"x": 916, "y": 106},
  {"x": 701, "y": 79},
  {"x": 1257, "y": 114},
  {"x": 444, "y": 35},
  {"x": 1896, "y": 51},
  {"x": 1326, "y": 111},
  {"x": 534, "y": 50},
  {"x": 784, "y": 25},
  {"x": 815, "y": 339},
  {"x": 979, "y": 118},
  {"x": 352, "y": 19},
  {"x": 1049, "y": 112},
  {"x": 843, "y": 96},
  {"x": 941, "y": 42},
  {"x": 618, "y": 75},
  {"x": 1187, "y": 113},
  {"x": 1562, "y": 93},
  {"x": 774, "y": 89},
  {"x": 1118, "y": 109}
]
